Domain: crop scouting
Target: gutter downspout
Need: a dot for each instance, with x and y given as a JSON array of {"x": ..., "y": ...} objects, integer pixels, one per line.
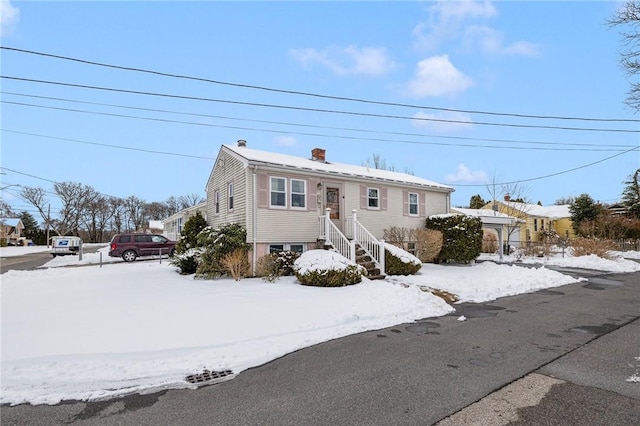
[{"x": 254, "y": 256}]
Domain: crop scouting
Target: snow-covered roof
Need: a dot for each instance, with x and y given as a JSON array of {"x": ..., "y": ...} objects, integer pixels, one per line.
[
  {"x": 488, "y": 217},
  {"x": 253, "y": 156},
  {"x": 155, "y": 224},
  {"x": 10, "y": 221},
  {"x": 552, "y": 212}
]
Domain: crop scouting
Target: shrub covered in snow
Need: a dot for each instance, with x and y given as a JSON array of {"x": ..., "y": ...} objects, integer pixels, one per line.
[
  {"x": 400, "y": 262},
  {"x": 462, "y": 237},
  {"x": 188, "y": 261},
  {"x": 276, "y": 264},
  {"x": 327, "y": 268},
  {"x": 217, "y": 243}
]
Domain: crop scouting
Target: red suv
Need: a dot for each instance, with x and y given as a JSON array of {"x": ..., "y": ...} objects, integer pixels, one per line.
[{"x": 131, "y": 246}]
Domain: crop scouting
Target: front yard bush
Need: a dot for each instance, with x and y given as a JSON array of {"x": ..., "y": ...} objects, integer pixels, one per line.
[
  {"x": 400, "y": 262},
  {"x": 462, "y": 237},
  {"x": 189, "y": 235},
  {"x": 217, "y": 243},
  {"x": 188, "y": 261},
  {"x": 587, "y": 246},
  {"x": 271, "y": 266},
  {"x": 326, "y": 268},
  {"x": 424, "y": 243}
]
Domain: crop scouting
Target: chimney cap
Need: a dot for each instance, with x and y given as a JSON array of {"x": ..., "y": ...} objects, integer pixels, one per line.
[
  {"x": 242, "y": 143},
  {"x": 318, "y": 154}
]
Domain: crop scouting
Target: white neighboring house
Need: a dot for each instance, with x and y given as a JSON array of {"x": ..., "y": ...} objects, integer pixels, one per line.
[
  {"x": 492, "y": 219},
  {"x": 172, "y": 226},
  {"x": 292, "y": 203}
]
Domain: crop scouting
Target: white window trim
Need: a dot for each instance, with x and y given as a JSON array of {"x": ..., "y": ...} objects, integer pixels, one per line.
[
  {"x": 286, "y": 192},
  {"x": 216, "y": 202},
  {"x": 287, "y": 246},
  {"x": 304, "y": 194},
  {"x": 377, "y": 198},
  {"x": 417, "y": 204},
  {"x": 230, "y": 197}
]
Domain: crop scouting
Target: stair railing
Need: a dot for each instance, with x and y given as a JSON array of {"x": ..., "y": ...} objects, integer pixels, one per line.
[
  {"x": 372, "y": 246},
  {"x": 332, "y": 236}
]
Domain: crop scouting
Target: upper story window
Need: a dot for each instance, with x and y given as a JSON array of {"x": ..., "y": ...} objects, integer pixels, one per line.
[
  {"x": 373, "y": 195},
  {"x": 278, "y": 191},
  {"x": 216, "y": 200},
  {"x": 413, "y": 204},
  {"x": 298, "y": 193},
  {"x": 230, "y": 192}
]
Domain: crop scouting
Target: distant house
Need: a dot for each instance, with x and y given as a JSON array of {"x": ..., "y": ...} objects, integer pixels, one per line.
[
  {"x": 535, "y": 218},
  {"x": 172, "y": 226},
  {"x": 295, "y": 203},
  {"x": 11, "y": 229}
]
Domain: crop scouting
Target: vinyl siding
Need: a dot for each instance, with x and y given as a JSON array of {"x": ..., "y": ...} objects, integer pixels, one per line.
[{"x": 227, "y": 170}]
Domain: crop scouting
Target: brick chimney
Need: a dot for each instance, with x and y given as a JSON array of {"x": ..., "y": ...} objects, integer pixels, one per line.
[
  {"x": 507, "y": 198},
  {"x": 317, "y": 154},
  {"x": 242, "y": 143}
]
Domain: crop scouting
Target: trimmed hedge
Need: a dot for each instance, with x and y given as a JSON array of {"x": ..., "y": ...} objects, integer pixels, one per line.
[
  {"x": 395, "y": 265},
  {"x": 352, "y": 274},
  {"x": 462, "y": 237}
]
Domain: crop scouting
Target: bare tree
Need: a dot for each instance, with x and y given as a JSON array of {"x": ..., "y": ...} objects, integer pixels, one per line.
[
  {"x": 37, "y": 197},
  {"x": 565, "y": 200},
  {"x": 189, "y": 200},
  {"x": 156, "y": 210},
  {"x": 173, "y": 205},
  {"x": 96, "y": 218},
  {"x": 628, "y": 17},
  {"x": 118, "y": 219},
  {"x": 75, "y": 198},
  {"x": 135, "y": 213},
  {"x": 5, "y": 210}
]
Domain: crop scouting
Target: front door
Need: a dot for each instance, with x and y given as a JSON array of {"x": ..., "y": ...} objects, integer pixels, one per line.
[{"x": 334, "y": 201}]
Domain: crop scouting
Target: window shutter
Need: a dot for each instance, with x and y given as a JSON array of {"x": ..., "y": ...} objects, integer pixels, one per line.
[
  {"x": 364, "y": 197},
  {"x": 383, "y": 191},
  {"x": 405, "y": 203},
  {"x": 423, "y": 204},
  {"x": 312, "y": 194},
  {"x": 263, "y": 190}
]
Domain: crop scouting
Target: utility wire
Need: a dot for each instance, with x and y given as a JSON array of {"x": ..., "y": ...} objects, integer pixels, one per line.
[
  {"x": 329, "y": 111},
  {"x": 149, "y": 151},
  {"x": 293, "y": 133},
  {"x": 316, "y": 95},
  {"x": 421, "y": 135},
  {"x": 552, "y": 174}
]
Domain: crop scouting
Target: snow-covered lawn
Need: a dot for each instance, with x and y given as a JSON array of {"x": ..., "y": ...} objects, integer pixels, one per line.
[{"x": 93, "y": 332}]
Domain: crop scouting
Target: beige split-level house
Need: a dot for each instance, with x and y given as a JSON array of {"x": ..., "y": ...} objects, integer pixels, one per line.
[{"x": 291, "y": 203}]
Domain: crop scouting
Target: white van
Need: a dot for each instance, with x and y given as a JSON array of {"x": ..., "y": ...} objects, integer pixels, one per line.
[{"x": 61, "y": 246}]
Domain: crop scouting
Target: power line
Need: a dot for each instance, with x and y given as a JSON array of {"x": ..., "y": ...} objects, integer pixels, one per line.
[
  {"x": 291, "y": 124},
  {"x": 287, "y": 132},
  {"x": 316, "y": 95},
  {"x": 149, "y": 151},
  {"x": 328, "y": 111},
  {"x": 553, "y": 174}
]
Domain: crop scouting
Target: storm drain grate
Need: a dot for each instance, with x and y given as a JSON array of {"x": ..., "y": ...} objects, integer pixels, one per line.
[{"x": 209, "y": 377}]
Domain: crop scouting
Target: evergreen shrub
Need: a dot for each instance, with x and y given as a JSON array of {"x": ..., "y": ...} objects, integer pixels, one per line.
[{"x": 462, "y": 237}]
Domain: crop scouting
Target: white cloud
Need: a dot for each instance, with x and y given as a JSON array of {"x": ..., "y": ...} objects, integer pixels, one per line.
[
  {"x": 286, "y": 141},
  {"x": 454, "y": 20},
  {"x": 350, "y": 60},
  {"x": 492, "y": 41},
  {"x": 447, "y": 17},
  {"x": 463, "y": 174},
  {"x": 9, "y": 16},
  {"x": 437, "y": 76},
  {"x": 426, "y": 120}
]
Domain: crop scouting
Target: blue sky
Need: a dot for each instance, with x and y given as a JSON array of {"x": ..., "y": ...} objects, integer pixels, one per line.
[{"x": 450, "y": 61}]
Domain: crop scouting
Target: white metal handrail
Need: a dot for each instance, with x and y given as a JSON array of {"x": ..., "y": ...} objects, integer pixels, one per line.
[
  {"x": 330, "y": 233},
  {"x": 372, "y": 246}
]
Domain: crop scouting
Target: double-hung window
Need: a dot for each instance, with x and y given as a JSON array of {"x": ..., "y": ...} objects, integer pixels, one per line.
[
  {"x": 413, "y": 204},
  {"x": 216, "y": 200},
  {"x": 373, "y": 195},
  {"x": 278, "y": 191},
  {"x": 230, "y": 193},
  {"x": 298, "y": 193}
]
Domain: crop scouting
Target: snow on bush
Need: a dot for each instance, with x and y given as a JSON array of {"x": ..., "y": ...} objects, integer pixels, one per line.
[
  {"x": 400, "y": 262},
  {"x": 326, "y": 268}
]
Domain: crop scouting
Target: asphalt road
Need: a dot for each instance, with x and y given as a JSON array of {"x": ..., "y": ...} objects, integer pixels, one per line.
[
  {"x": 33, "y": 260},
  {"x": 558, "y": 356}
]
